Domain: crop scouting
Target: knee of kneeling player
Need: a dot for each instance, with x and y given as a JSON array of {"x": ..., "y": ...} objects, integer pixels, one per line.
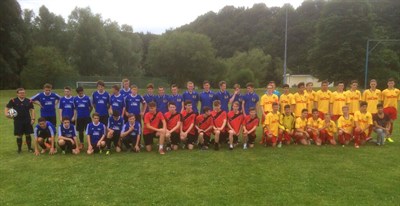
[
  {"x": 61, "y": 142},
  {"x": 231, "y": 132}
]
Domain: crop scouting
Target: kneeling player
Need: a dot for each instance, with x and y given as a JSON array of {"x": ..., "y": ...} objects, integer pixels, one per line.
[
  {"x": 250, "y": 124},
  {"x": 345, "y": 127},
  {"x": 271, "y": 126},
  {"x": 131, "y": 134},
  {"x": 235, "y": 120},
  {"x": 286, "y": 126},
  {"x": 313, "y": 124},
  {"x": 363, "y": 120},
  {"x": 96, "y": 132},
  {"x": 301, "y": 134},
  {"x": 114, "y": 127},
  {"x": 67, "y": 137},
  {"x": 204, "y": 125},
  {"x": 219, "y": 118},
  {"x": 327, "y": 130},
  {"x": 44, "y": 136},
  {"x": 173, "y": 119},
  {"x": 154, "y": 126},
  {"x": 188, "y": 133}
]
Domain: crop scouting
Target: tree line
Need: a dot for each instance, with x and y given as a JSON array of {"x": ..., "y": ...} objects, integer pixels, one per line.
[{"x": 237, "y": 44}]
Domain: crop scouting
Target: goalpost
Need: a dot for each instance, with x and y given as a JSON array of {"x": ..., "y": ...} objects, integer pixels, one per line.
[{"x": 88, "y": 84}]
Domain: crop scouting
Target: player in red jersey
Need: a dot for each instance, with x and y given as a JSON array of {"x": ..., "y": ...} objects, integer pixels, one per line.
[
  {"x": 188, "y": 132},
  {"x": 204, "y": 125},
  {"x": 250, "y": 124},
  {"x": 235, "y": 120},
  {"x": 154, "y": 126},
  {"x": 173, "y": 120},
  {"x": 219, "y": 118}
]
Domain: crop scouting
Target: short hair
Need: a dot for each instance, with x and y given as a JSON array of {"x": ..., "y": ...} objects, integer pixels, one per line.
[
  {"x": 271, "y": 82},
  {"x": 47, "y": 86},
  {"x": 171, "y": 103},
  {"x": 189, "y": 82},
  {"x": 250, "y": 84},
  {"x": 152, "y": 104},
  {"x": 301, "y": 84},
  {"x": 275, "y": 104},
  {"x": 236, "y": 103},
  {"x": 363, "y": 103},
  {"x": 345, "y": 106},
  {"x": 353, "y": 81},
  {"x": 125, "y": 80},
  {"x": 160, "y": 87},
  {"x": 286, "y": 106},
  {"x": 115, "y": 113},
  {"x": 187, "y": 102},
  {"x": 67, "y": 88},
  {"x": 206, "y": 82},
  {"x": 79, "y": 89},
  {"x": 133, "y": 86},
  {"x": 304, "y": 110},
  {"x": 324, "y": 82},
  {"x": 20, "y": 89},
  {"x": 380, "y": 105},
  {"x": 252, "y": 109},
  {"x": 150, "y": 86},
  {"x": 340, "y": 82},
  {"x": 65, "y": 118},
  {"x": 206, "y": 109},
  {"x": 314, "y": 110},
  {"x": 95, "y": 115},
  {"x": 131, "y": 115},
  {"x": 391, "y": 79},
  {"x": 116, "y": 87},
  {"x": 100, "y": 83},
  {"x": 309, "y": 83},
  {"x": 372, "y": 80},
  {"x": 41, "y": 119},
  {"x": 285, "y": 86},
  {"x": 173, "y": 85},
  {"x": 217, "y": 103},
  {"x": 235, "y": 86},
  {"x": 222, "y": 82}
]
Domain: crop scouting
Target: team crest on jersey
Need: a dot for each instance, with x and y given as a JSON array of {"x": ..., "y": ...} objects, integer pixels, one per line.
[
  {"x": 194, "y": 96},
  {"x": 253, "y": 99},
  {"x": 226, "y": 97},
  {"x": 211, "y": 95},
  {"x": 165, "y": 100},
  {"x": 179, "y": 100}
]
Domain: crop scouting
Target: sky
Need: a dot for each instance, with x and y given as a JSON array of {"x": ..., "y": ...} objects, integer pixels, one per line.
[{"x": 153, "y": 16}]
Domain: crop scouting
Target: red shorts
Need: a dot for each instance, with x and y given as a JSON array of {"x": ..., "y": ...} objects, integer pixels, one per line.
[
  {"x": 391, "y": 112},
  {"x": 313, "y": 136},
  {"x": 270, "y": 139},
  {"x": 285, "y": 136},
  {"x": 344, "y": 138},
  {"x": 298, "y": 138},
  {"x": 324, "y": 136},
  {"x": 359, "y": 136}
]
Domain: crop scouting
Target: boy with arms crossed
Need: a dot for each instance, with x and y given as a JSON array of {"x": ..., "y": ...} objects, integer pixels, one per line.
[
  {"x": 130, "y": 134},
  {"x": 219, "y": 118},
  {"x": 67, "y": 137},
  {"x": 271, "y": 126}
]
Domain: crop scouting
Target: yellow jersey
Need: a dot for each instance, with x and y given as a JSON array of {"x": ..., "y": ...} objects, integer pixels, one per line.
[
  {"x": 285, "y": 99},
  {"x": 310, "y": 100},
  {"x": 353, "y": 99},
  {"x": 338, "y": 100},
  {"x": 323, "y": 99},
  {"x": 287, "y": 122},
  {"x": 372, "y": 98},
  {"x": 300, "y": 103},
  {"x": 364, "y": 119},
  {"x": 301, "y": 124},
  {"x": 267, "y": 100},
  {"x": 272, "y": 121},
  {"x": 347, "y": 125},
  {"x": 331, "y": 129},
  {"x": 314, "y": 123},
  {"x": 390, "y": 97}
]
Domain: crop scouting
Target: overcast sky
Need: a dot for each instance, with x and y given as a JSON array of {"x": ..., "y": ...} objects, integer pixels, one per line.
[{"x": 153, "y": 16}]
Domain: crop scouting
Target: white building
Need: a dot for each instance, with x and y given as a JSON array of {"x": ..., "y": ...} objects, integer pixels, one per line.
[{"x": 292, "y": 80}]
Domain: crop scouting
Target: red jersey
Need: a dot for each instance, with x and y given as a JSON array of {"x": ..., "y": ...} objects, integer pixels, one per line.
[
  {"x": 235, "y": 120},
  {"x": 153, "y": 119},
  {"x": 218, "y": 118},
  {"x": 172, "y": 121},
  {"x": 204, "y": 123},
  {"x": 187, "y": 120},
  {"x": 250, "y": 123}
]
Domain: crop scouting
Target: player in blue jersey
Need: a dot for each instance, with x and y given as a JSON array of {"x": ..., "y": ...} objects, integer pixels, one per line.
[
  {"x": 133, "y": 102},
  {"x": 83, "y": 108},
  {"x": 223, "y": 96},
  {"x": 149, "y": 97},
  {"x": 66, "y": 106},
  {"x": 250, "y": 99},
  {"x": 131, "y": 134},
  {"x": 114, "y": 127},
  {"x": 207, "y": 96},
  {"x": 44, "y": 136},
  {"x": 67, "y": 137},
  {"x": 237, "y": 96},
  {"x": 176, "y": 98},
  {"x": 101, "y": 102},
  {"x": 162, "y": 100},
  {"x": 117, "y": 101},
  {"x": 276, "y": 92},
  {"x": 47, "y": 101},
  {"x": 191, "y": 95},
  {"x": 96, "y": 134},
  {"x": 126, "y": 88}
]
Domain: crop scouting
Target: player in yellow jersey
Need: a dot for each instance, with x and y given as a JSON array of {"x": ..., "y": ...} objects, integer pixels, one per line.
[
  {"x": 363, "y": 120},
  {"x": 353, "y": 97},
  {"x": 313, "y": 126},
  {"x": 268, "y": 99},
  {"x": 338, "y": 100},
  {"x": 300, "y": 133},
  {"x": 271, "y": 126},
  {"x": 322, "y": 99},
  {"x": 372, "y": 96},
  {"x": 327, "y": 130},
  {"x": 286, "y": 126},
  {"x": 345, "y": 125},
  {"x": 299, "y": 101},
  {"x": 310, "y": 97},
  {"x": 285, "y": 98},
  {"x": 390, "y": 98}
]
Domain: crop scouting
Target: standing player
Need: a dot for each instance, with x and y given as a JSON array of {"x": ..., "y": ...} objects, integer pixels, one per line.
[
  {"x": 327, "y": 130},
  {"x": 204, "y": 125},
  {"x": 372, "y": 96},
  {"x": 188, "y": 132},
  {"x": 223, "y": 96},
  {"x": 299, "y": 101},
  {"x": 207, "y": 96},
  {"x": 267, "y": 100},
  {"x": 235, "y": 120},
  {"x": 363, "y": 120},
  {"x": 47, "y": 102},
  {"x": 24, "y": 120},
  {"x": 162, "y": 100},
  {"x": 154, "y": 126},
  {"x": 338, "y": 100},
  {"x": 390, "y": 98},
  {"x": 130, "y": 134},
  {"x": 149, "y": 97},
  {"x": 276, "y": 92},
  {"x": 67, "y": 137},
  {"x": 132, "y": 104},
  {"x": 271, "y": 126},
  {"x": 310, "y": 97},
  {"x": 83, "y": 109},
  {"x": 286, "y": 98},
  {"x": 66, "y": 106},
  {"x": 322, "y": 99},
  {"x": 250, "y": 124},
  {"x": 353, "y": 97},
  {"x": 345, "y": 126},
  {"x": 250, "y": 99},
  {"x": 191, "y": 95},
  {"x": 313, "y": 127},
  {"x": 173, "y": 120},
  {"x": 176, "y": 98},
  {"x": 237, "y": 96},
  {"x": 114, "y": 129},
  {"x": 96, "y": 135},
  {"x": 125, "y": 90},
  {"x": 381, "y": 125},
  {"x": 101, "y": 102},
  {"x": 286, "y": 126},
  {"x": 44, "y": 136},
  {"x": 300, "y": 133},
  {"x": 117, "y": 101},
  {"x": 219, "y": 118}
]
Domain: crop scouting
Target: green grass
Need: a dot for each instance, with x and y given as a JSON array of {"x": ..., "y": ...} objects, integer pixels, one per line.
[{"x": 292, "y": 175}]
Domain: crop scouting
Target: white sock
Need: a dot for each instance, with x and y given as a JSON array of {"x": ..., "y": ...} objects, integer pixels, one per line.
[
  {"x": 245, "y": 144},
  {"x": 161, "y": 146}
]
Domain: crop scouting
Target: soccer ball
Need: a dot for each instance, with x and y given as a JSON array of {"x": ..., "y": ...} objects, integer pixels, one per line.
[{"x": 12, "y": 113}]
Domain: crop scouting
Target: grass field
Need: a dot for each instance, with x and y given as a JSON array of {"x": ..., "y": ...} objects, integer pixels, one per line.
[{"x": 291, "y": 175}]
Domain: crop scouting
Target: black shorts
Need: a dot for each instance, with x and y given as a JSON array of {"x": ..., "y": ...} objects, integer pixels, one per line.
[
  {"x": 22, "y": 127},
  {"x": 130, "y": 139},
  {"x": 44, "y": 134},
  {"x": 82, "y": 123},
  {"x": 251, "y": 138},
  {"x": 104, "y": 119},
  {"x": 97, "y": 149},
  {"x": 175, "y": 138},
  {"x": 191, "y": 139},
  {"x": 148, "y": 138},
  {"x": 52, "y": 120},
  {"x": 235, "y": 139},
  {"x": 115, "y": 138},
  {"x": 223, "y": 137},
  {"x": 69, "y": 146}
]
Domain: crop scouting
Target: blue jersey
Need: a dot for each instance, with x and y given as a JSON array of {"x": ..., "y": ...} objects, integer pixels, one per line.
[
  {"x": 48, "y": 103},
  {"x": 194, "y": 97},
  {"x": 132, "y": 103},
  {"x": 101, "y": 102},
  {"x": 136, "y": 131},
  {"x": 149, "y": 98},
  {"x": 224, "y": 97},
  {"x": 206, "y": 99},
  {"x": 238, "y": 98},
  {"x": 277, "y": 93},
  {"x": 49, "y": 129},
  {"x": 250, "y": 100},
  {"x": 162, "y": 103},
  {"x": 115, "y": 125},
  {"x": 82, "y": 106},
  {"x": 124, "y": 92},
  {"x": 67, "y": 132},
  {"x": 117, "y": 103},
  {"x": 95, "y": 132},
  {"x": 67, "y": 106},
  {"x": 177, "y": 99}
]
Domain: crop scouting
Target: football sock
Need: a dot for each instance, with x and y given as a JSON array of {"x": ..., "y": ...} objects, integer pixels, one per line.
[
  {"x": 108, "y": 143},
  {"x": 62, "y": 147},
  {"x": 81, "y": 137},
  {"x": 29, "y": 141},
  {"x": 161, "y": 146},
  {"x": 19, "y": 143}
]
